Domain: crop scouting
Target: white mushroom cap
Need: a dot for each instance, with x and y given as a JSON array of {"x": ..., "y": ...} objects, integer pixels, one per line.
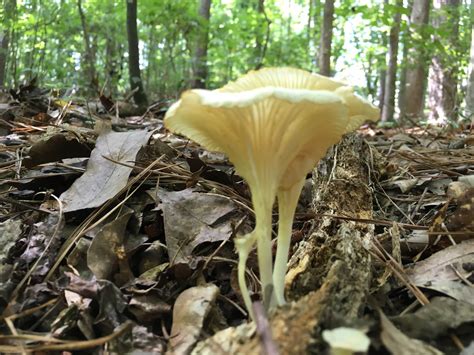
[
  {"x": 276, "y": 121},
  {"x": 348, "y": 340}
]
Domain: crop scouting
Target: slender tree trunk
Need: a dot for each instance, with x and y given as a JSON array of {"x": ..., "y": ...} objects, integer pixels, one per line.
[
  {"x": 262, "y": 34},
  {"x": 388, "y": 109},
  {"x": 152, "y": 53},
  {"x": 89, "y": 56},
  {"x": 443, "y": 74},
  {"x": 200, "y": 70},
  {"x": 9, "y": 9},
  {"x": 13, "y": 57},
  {"x": 4, "y": 37},
  {"x": 324, "y": 61},
  {"x": 31, "y": 48},
  {"x": 136, "y": 83},
  {"x": 112, "y": 65},
  {"x": 315, "y": 34},
  {"x": 309, "y": 23},
  {"x": 382, "y": 79},
  {"x": 403, "y": 78},
  {"x": 416, "y": 72},
  {"x": 383, "y": 71},
  {"x": 470, "y": 77}
]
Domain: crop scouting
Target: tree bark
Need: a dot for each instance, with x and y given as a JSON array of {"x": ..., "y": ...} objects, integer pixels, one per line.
[
  {"x": 200, "y": 70},
  {"x": 383, "y": 71},
  {"x": 326, "y": 39},
  {"x": 89, "y": 55},
  {"x": 136, "y": 83},
  {"x": 416, "y": 72},
  {"x": 403, "y": 78},
  {"x": 9, "y": 14},
  {"x": 4, "y": 38},
  {"x": 382, "y": 80},
  {"x": 388, "y": 108},
  {"x": 470, "y": 78},
  {"x": 315, "y": 31},
  {"x": 261, "y": 38},
  {"x": 443, "y": 80}
]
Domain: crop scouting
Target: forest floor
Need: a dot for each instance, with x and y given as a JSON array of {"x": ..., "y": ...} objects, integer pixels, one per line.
[{"x": 115, "y": 234}]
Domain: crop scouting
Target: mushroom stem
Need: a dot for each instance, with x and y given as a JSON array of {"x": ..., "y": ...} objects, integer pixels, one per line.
[
  {"x": 263, "y": 231},
  {"x": 287, "y": 202},
  {"x": 244, "y": 245}
]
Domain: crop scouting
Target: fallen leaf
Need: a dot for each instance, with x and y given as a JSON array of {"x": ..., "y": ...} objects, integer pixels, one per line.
[
  {"x": 106, "y": 251},
  {"x": 146, "y": 342},
  {"x": 436, "y": 319},
  {"x": 455, "y": 289},
  {"x": 148, "y": 307},
  {"x": 462, "y": 218},
  {"x": 439, "y": 186},
  {"x": 189, "y": 311},
  {"x": 441, "y": 272},
  {"x": 439, "y": 265},
  {"x": 112, "y": 304},
  {"x": 55, "y": 148},
  {"x": 399, "y": 344},
  {"x": 104, "y": 178},
  {"x": 192, "y": 218},
  {"x": 41, "y": 245},
  {"x": 467, "y": 179},
  {"x": 405, "y": 185},
  {"x": 10, "y": 230}
]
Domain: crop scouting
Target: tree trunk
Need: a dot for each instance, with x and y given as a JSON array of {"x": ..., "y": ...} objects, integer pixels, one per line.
[
  {"x": 262, "y": 34},
  {"x": 136, "y": 83},
  {"x": 416, "y": 72},
  {"x": 200, "y": 70},
  {"x": 5, "y": 33},
  {"x": 403, "y": 79},
  {"x": 443, "y": 75},
  {"x": 89, "y": 56},
  {"x": 315, "y": 31},
  {"x": 470, "y": 78},
  {"x": 383, "y": 80},
  {"x": 4, "y": 36},
  {"x": 326, "y": 39},
  {"x": 383, "y": 71},
  {"x": 388, "y": 108}
]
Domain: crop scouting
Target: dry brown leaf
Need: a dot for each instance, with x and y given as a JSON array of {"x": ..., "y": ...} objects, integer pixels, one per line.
[
  {"x": 106, "y": 252},
  {"x": 400, "y": 344},
  {"x": 192, "y": 218},
  {"x": 104, "y": 178},
  {"x": 439, "y": 266},
  {"x": 190, "y": 309}
]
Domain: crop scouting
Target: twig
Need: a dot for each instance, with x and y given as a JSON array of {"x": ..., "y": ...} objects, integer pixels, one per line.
[{"x": 264, "y": 331}]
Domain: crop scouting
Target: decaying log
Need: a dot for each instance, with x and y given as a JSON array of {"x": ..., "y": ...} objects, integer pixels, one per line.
[
  {"x": 329, "y": 274},
  {"x": 341, "y": 187}
]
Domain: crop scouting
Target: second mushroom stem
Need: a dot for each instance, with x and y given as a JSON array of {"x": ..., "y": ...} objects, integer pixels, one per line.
[
  {"x": 244, "y": 245},
  {"x": 263, "y": 232},
  {"x": 287, "y": 202}
]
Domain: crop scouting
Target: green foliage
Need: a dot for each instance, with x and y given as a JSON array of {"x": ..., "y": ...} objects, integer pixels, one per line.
[{"x": 47, "y": 40}]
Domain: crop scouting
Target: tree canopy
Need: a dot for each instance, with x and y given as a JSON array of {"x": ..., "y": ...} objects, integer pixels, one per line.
[{"x": 82, "y": 44}]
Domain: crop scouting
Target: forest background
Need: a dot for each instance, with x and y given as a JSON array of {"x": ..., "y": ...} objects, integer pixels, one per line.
[{"x": 412, "y": 58}]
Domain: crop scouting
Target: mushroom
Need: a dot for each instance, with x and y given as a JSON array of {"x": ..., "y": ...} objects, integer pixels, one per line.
[
  {"x": 346, "y": 341},
  {"x": 274, "y": 124}
]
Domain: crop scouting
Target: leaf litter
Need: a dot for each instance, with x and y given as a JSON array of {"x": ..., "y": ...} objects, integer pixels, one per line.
[{"x": 124, "y": 239}]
